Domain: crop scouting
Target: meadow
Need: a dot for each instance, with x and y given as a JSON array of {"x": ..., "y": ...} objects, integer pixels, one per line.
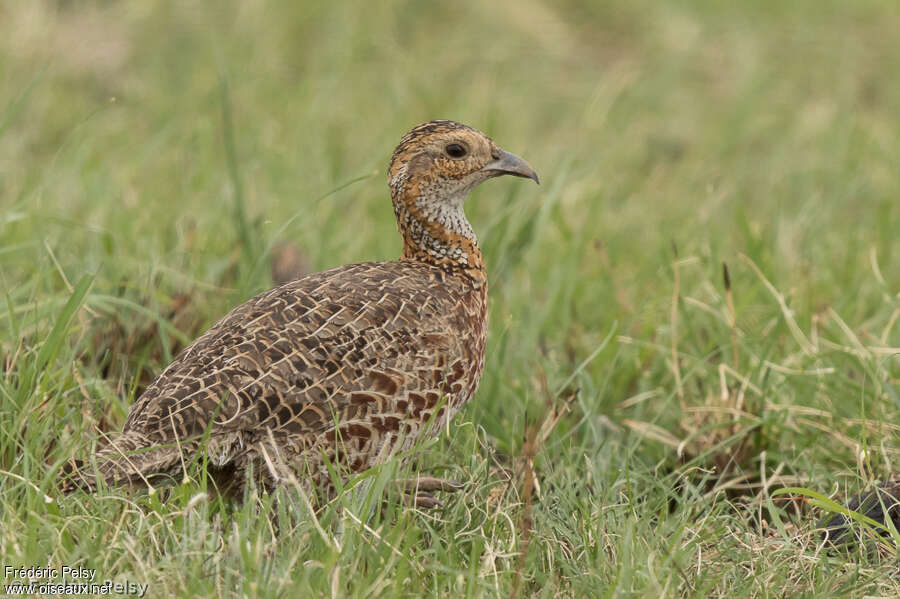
[{"x": 642, "y": 429}]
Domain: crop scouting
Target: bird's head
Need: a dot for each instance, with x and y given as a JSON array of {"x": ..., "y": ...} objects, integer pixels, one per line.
[
  {"x": 432, "y": 172},
  {"x": 451, "y": 159}
]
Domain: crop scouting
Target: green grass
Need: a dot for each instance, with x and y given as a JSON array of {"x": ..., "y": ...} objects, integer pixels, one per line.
[{"x": 151, "y": 153}]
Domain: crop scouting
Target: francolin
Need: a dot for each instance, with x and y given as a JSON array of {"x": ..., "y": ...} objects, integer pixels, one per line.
[{"x": 339, "y": 370}]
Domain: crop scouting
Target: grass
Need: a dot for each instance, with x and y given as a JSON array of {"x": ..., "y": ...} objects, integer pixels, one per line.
[{"x": 662, "y": 435}]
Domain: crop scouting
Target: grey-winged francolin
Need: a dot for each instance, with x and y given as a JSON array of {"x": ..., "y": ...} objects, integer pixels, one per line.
[{"x": 337, "y": 370}]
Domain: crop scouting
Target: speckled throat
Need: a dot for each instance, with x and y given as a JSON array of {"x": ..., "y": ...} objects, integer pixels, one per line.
[{"x": 434, "y": 227}]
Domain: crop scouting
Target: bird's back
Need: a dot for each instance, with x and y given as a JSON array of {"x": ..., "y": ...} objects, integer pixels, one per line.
[{"x": 362, "y": 355}]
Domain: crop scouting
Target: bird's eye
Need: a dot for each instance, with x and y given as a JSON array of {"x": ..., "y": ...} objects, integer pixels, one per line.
[{"x": 455, "y": 150}]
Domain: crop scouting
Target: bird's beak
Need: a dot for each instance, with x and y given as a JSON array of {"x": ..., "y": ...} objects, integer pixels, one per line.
[{"x": 510, "y": 164}]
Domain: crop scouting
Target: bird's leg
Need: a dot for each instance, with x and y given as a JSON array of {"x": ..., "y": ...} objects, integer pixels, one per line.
[{"x": 420, "y": 490}]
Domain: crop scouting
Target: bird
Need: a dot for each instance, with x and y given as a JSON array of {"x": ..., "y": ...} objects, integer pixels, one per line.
[{"x": 336, "y": 371}]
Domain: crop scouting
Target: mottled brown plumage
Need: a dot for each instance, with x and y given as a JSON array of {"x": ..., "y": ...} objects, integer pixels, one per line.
[{"x": 345, "y": 367}]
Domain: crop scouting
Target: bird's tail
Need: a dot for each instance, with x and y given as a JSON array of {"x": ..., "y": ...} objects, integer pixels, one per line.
[{"x": 131, "y": 459}]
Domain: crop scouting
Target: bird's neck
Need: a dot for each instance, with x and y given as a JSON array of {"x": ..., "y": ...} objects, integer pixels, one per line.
[{"x": 435, "y": 231}]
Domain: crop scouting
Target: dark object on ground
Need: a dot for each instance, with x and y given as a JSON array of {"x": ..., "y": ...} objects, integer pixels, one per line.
[{"x": 880, "y": 504}]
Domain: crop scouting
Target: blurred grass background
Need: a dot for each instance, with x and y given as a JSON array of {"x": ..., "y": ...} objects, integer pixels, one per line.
[{"x": 163, "y": 149}]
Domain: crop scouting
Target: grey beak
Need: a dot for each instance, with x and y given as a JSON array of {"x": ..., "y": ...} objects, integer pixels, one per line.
[{"x": 510, "y": 164}]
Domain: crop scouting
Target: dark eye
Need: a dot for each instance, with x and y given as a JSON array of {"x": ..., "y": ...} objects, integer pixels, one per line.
[{"x": 455, "y": 150}]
